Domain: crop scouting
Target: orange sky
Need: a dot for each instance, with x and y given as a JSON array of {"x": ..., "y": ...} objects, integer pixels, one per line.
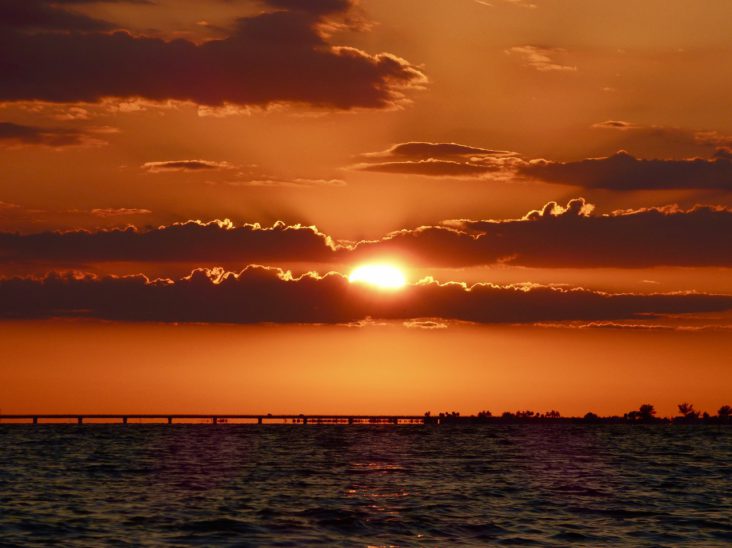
[
  {"x": 93, "y": 367},
  {"x": 430, "y": 133}
]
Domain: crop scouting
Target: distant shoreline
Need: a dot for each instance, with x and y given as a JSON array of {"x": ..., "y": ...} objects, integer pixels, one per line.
[{"x": 353, "y": 419}]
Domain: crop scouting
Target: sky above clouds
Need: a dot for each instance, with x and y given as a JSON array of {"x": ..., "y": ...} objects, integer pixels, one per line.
[{"x": 544, "y": 163}]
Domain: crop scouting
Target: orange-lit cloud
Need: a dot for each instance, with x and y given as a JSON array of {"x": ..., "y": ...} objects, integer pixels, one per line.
[
  {"x": 185, "y": 165},
  {"x": 119, "y": 211}
]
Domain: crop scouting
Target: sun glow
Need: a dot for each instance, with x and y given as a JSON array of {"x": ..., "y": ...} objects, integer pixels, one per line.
[{"x": 382, "y": 276}]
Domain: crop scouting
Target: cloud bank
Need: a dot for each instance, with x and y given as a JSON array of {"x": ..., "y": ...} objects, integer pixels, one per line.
[
  {"x": 573, "y": 236},
  {"x": 260, "y": 294},
  {"x": 622, "y": 171},
  {"x": 191, "y": 241}
]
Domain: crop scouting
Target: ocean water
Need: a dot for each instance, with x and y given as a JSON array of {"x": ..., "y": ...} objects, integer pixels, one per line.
[{"x": 475, "y": 485}]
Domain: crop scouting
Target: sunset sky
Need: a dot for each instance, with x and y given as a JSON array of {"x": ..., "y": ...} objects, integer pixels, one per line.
[{"x": 187, "y": 185}]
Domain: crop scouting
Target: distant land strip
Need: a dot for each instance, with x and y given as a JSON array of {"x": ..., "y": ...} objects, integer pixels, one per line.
[{"x": 642, "y": 416}]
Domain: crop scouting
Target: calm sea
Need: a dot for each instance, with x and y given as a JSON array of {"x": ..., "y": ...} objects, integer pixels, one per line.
[{"x": 592, "y": 485}]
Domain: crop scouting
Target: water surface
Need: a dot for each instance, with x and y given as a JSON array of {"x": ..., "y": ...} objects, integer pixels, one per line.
[{"x": 366, "y": 485}]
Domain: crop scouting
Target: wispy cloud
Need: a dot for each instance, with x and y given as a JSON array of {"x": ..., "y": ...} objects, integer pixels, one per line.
[
  {"x": 185, "y": 165},
  {"x": 12, "y": 134},
  {"x": 119, "y": 211},
  {"x": 543, "y": 59}
]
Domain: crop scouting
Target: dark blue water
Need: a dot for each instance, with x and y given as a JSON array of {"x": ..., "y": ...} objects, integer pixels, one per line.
[{"x": 366, "y": 485}]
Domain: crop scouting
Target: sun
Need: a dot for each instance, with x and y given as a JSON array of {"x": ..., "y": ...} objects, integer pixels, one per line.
[{"x": 380, "y": 275}]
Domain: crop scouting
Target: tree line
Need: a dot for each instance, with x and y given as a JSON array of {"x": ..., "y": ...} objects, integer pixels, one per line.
[{"x": 646, "y": 413}]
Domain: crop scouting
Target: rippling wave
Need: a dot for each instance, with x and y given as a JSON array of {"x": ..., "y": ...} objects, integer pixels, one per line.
[{"x": 543, "y": 484}]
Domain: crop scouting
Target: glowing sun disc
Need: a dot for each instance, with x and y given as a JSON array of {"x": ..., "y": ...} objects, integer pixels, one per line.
[{"x": 382, "y": 276}]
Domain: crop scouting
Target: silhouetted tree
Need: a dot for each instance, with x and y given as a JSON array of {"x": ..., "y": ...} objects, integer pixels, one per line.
[
  {"x": 484, "y": 414},
  {"x": 553, "y": 414},
  {"x": 450, "y": 416},
  {"x": 688, "y": 412},
  {"x": 725, "y": 412},
  {"x": 646, "y": 412},
  {"x": 590, "y": 416}
]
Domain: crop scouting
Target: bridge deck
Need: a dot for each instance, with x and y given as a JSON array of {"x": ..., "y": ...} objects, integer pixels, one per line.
[{"x": 218, "y": 418}]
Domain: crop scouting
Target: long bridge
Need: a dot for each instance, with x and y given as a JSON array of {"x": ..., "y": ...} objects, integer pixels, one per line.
[{"x": 217, "y": 418}]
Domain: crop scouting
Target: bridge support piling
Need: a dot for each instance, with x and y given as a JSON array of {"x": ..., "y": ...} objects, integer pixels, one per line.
[
  {"x": 79, "y": 420},
  {"x": 35, "y": 420},
  {"x": 170, "y": 420}
]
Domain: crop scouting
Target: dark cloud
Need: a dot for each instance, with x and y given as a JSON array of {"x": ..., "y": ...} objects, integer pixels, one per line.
[
  {"x": 571, "y": 236},
  {"x": 622, "y": 171},
  {"x": 54, "y": 15},
  {"x": 276, "y": 56},
  {"x": 551, "y": 237},
  {"x": 436, "y": 160},
  {"x": 83, "y": 2},
  {"x": 317, "y": 7},
  {"x": 46, "y": 15},
  {"x": 418, "y": 150},
  {"x": 16, "y": 134},
  {"x": 214, "y": 242},
  {"x": 184, "y": 165},
  {"x": 259, "y": 294}
]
